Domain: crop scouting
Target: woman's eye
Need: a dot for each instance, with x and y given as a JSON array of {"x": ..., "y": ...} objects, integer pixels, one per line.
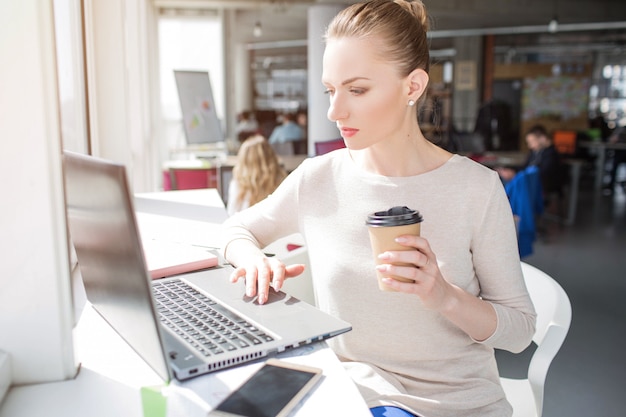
[
  {"x": 329, "y": 91},
  {"x": 357, "y": 91}
]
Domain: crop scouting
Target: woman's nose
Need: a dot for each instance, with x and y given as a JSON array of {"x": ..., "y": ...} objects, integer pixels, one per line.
[{"x": 336, "y": 111}]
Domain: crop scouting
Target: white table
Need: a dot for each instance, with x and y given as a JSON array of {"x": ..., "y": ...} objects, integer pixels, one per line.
[{"x": 112, "y": 374}]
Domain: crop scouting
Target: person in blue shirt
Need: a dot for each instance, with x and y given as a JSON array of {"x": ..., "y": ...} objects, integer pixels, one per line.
[{"x": 287, "y": 131}]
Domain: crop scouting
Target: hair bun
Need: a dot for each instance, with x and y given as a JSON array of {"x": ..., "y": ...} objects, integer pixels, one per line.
[{"x": 417, "y": 9}]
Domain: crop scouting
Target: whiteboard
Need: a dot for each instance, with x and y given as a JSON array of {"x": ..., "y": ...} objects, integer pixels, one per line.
[{"x": 200, "y": 121}]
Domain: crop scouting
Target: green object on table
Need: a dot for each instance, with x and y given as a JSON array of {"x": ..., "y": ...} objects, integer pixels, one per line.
[
  {"x": 594, "y": 134},
  {"x": 153, "y": 402}
]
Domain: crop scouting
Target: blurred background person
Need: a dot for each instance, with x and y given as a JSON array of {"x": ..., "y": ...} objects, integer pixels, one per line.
[
  {"x": 301, "y": 146},
  {"x": 542, "y": 154},
  {"x": 256, "y": 174},
  {"x": 247, "y": 125},
  {"x": 286, "y": 134}
]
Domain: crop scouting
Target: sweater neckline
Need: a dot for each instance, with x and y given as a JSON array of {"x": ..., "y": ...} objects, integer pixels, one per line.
[{"x": 362, "y": 172}]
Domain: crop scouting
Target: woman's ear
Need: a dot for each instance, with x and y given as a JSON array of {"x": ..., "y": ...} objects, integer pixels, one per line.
[{"x": 418, "y": 82}]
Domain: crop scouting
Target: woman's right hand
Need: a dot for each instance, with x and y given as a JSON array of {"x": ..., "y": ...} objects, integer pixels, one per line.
[{"x": 263, "y": 272}]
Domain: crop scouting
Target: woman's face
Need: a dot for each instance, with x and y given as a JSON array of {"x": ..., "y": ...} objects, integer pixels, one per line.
[{"x": 368, "y": 100}]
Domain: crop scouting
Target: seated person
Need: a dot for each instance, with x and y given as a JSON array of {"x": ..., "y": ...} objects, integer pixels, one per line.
[
  {"x": 285, "y": 134},
  {"x": 256, "y": 174},
  {"x": 544, "y": 156},
  {"x": 246, "y": 125}
]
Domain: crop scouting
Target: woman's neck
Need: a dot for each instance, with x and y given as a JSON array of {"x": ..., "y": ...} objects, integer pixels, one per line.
[{"x": 401, "y": 159}]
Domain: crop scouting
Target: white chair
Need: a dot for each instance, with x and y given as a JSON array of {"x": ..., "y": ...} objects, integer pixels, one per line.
[{"x": 554, "y": 315}]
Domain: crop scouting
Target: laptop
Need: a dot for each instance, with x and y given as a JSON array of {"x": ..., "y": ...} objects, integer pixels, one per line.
[{"x": 185, "y": 325}]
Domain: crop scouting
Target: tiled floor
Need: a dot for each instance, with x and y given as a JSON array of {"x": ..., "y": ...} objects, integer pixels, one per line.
[{"x": 587, "y": 377}]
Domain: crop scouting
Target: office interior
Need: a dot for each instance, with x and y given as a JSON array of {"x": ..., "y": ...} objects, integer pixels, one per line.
[{"x": 86, "y": 75}]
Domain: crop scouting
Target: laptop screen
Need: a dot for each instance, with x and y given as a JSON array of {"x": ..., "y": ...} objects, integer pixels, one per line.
[{"x": 104, "y": 233}]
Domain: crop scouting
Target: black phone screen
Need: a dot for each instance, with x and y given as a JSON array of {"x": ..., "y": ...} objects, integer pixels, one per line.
[{"x": 267, "y": 392}]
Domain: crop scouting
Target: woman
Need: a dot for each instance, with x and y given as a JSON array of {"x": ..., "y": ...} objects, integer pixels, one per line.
[
  {"x": 426, "y": 349},
  {"x": 256, "y": 174}
]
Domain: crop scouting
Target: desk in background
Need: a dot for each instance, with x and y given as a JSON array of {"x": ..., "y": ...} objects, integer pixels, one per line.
[
  {"x": 599, "y": 149},
  {"x": 289, "y": 162},
  {"x": 190, "y": 174},
  {"x": 575, "y": 168},
  {"x": 511, "y": 159},
  {"x": 516, "y": 159}
]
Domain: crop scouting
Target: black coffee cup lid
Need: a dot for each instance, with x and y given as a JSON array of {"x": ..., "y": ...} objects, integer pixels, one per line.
[{"x": 395, "y": 216}]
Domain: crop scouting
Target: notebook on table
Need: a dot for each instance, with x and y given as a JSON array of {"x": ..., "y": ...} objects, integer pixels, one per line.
[
  {"x": 182, "y": 326},
  {"x": 164, "y": 259}
]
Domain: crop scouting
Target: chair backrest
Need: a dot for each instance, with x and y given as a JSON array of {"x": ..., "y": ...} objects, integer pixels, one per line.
[
  {"x": 329, "y": 145},
  {"x": 192, "y": 178},
  {"x": 565, "y": 141},
  {"x": 224, "y": 176},
  {"x": 554, "y": 316}
]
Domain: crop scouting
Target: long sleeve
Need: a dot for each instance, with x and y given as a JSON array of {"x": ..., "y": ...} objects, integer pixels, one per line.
[{"x": 399, "y": 351}]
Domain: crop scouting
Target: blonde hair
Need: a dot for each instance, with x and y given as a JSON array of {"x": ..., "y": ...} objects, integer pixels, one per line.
[
  {"x": 398, "y": 27},
  {"x": 257, "y": 171}
]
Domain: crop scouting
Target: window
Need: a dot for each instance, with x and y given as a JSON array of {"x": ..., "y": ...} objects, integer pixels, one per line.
[
  {"x": 189, "y": 43},
  {"x": 607, "y": 96}
]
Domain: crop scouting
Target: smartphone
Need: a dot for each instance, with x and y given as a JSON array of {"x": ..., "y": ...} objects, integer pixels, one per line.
[{"x": 272, "y": 391}]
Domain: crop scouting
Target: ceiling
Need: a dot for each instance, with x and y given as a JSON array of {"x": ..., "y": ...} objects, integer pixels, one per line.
[{"x": 286, "y": 20}]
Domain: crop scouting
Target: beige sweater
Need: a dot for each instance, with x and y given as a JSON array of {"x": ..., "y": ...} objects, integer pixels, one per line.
[{"x": 400, "y": 353}]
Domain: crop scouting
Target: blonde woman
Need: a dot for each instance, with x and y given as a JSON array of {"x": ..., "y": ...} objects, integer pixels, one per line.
[
  {"x": 426, "y": 349},
  {"x": 256, "y": 175}
]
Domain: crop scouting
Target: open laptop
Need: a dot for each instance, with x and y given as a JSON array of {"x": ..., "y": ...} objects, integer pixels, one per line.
[{"x": 176, "y": 343}]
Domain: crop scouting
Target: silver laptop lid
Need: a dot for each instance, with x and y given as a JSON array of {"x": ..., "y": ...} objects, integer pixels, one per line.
[{"x": 104, "y": 232}]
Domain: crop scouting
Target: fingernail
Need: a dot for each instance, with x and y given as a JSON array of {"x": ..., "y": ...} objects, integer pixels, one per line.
[
  {"x": 401, "y": 239},
  {"x": 384, "y": 255},
  {"x": 382, "y": 268}
]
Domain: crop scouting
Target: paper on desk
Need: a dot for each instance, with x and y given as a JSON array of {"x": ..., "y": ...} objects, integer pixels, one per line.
[
  {"x": 177, "y": 230},
  {"x": 332, "y": 396}
]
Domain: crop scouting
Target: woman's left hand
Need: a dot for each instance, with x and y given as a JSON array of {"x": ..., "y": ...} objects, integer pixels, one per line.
[
  {"x": 430, "y": 286},
  {"x": 470, "y": 313}
]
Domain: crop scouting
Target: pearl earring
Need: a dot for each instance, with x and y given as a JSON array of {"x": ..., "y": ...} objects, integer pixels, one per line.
[{"x": 411, "y": 103}]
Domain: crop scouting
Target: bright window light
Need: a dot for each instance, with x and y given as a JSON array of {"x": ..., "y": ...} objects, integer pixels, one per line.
[{"x": 190, "y": 43}]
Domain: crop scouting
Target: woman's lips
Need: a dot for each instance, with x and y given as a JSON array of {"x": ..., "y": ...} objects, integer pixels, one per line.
[{"x": 348, "y": 132}]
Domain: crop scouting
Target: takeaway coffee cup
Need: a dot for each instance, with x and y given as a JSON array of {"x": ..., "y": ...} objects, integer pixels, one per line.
[{"x": 384, "y": 227}]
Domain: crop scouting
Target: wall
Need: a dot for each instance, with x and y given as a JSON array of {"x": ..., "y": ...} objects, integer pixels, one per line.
[
  {"x": 567, "y": 86},
  {"x": 35, "y": 296},
  {"x": 467, "y": 85},
  {"x": 320, "y": 128},
  {"x": 119, "y": 80}
]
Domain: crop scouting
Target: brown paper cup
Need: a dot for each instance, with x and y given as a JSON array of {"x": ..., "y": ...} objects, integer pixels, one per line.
[{"x": 382, "y": 238}]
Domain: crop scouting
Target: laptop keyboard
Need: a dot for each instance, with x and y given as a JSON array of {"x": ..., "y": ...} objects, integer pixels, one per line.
[{"x": 206, "y": 325}]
